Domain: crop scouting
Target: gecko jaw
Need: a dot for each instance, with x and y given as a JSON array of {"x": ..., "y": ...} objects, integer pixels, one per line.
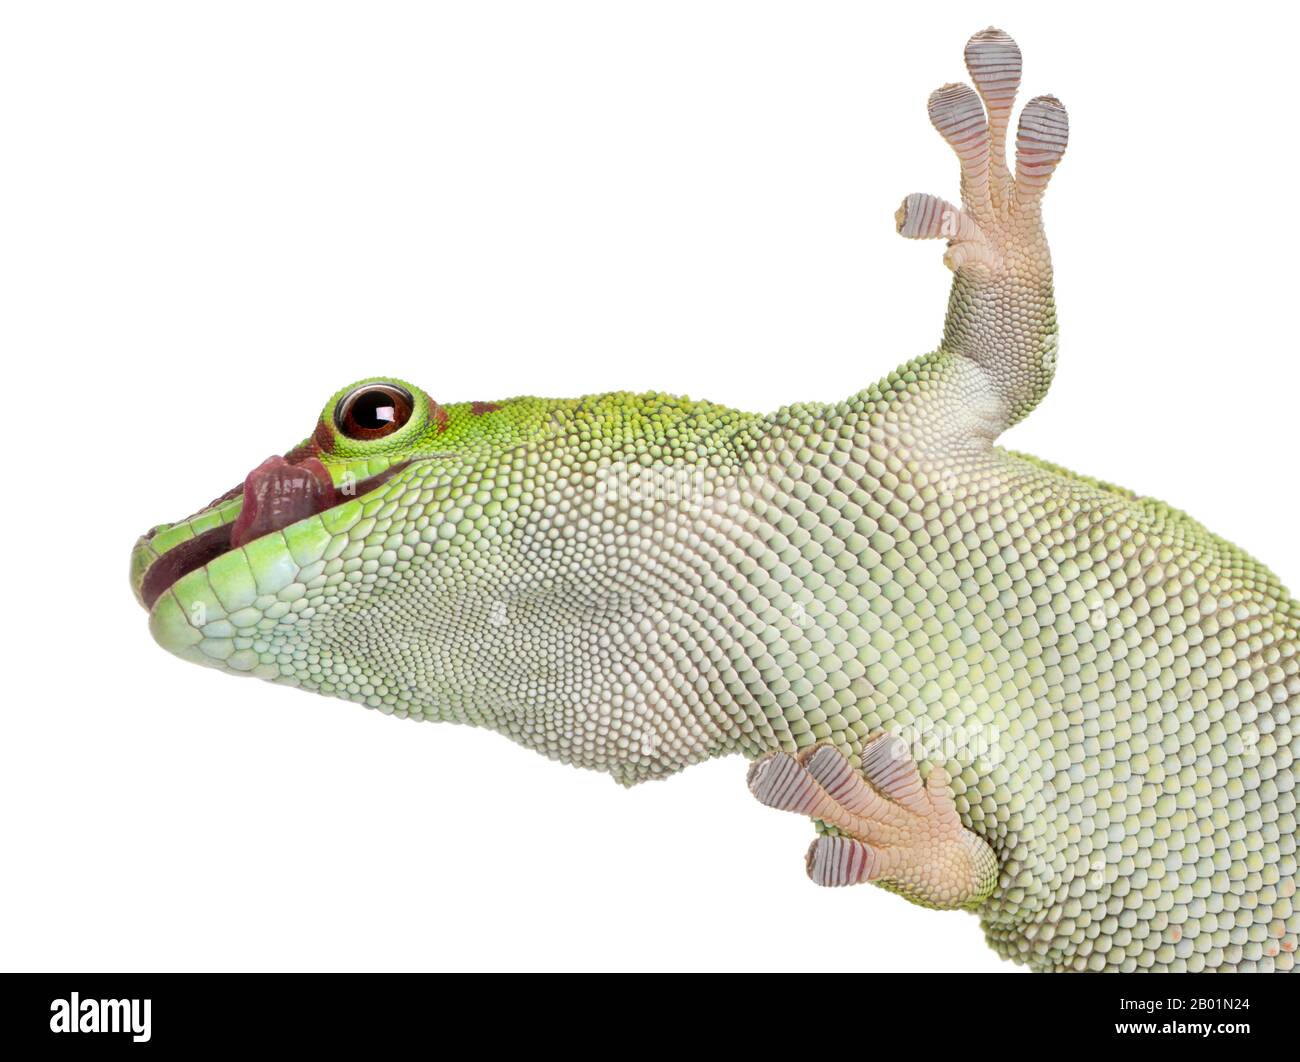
[{"x": 276, "y": 494}]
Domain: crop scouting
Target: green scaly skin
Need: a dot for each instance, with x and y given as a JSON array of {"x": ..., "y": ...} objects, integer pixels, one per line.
[{"x": 637, "y": 583}]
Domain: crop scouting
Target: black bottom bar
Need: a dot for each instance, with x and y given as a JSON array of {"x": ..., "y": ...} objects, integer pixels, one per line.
[{"x": 986, "y": 1014}]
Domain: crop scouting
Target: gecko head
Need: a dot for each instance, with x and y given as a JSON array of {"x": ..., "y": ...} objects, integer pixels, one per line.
[{"x": 213, "y": 581}]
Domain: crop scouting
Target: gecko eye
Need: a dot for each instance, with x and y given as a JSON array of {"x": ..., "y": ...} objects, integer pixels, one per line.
[{"x": 373, "y": 411}]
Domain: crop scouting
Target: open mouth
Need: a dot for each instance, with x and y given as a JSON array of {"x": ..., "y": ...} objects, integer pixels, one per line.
[{"x": 277, "y": 493}]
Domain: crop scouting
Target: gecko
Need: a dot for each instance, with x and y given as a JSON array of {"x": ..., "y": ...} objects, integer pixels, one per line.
[{"x": 991, "y": 684}]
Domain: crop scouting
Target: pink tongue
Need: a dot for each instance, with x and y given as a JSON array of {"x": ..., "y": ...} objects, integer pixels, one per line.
[{"x": 277, "y": 494}]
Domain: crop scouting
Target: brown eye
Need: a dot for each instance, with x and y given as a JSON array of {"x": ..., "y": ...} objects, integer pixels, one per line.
[{"x": 373, "y": 411}]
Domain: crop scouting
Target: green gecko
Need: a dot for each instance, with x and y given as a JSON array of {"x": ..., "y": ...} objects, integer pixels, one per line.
[{"x": 992, "y": 684}]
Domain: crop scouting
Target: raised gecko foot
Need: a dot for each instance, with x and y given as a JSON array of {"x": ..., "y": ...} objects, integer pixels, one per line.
[
  {"x": 1001, "y": 313},
  {"x": 999, "y": 215},
  {"x": 892, "y": 828}
]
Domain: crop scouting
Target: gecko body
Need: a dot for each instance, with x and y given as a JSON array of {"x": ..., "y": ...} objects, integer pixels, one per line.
[{"x": 992, "y": 683}]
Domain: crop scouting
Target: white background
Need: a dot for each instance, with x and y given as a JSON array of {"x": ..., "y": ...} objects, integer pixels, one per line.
[{"x": 215, "y": 215}]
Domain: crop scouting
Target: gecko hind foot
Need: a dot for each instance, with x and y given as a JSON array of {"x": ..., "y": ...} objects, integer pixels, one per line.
[{"x": 893, "y": 828}]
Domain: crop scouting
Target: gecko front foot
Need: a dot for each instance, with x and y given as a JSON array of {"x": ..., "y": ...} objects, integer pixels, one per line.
[
  {"x": 1001, "y": 314},
  {"x": 999, "y": 218},
  {"x": 892, "y": 828}
]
